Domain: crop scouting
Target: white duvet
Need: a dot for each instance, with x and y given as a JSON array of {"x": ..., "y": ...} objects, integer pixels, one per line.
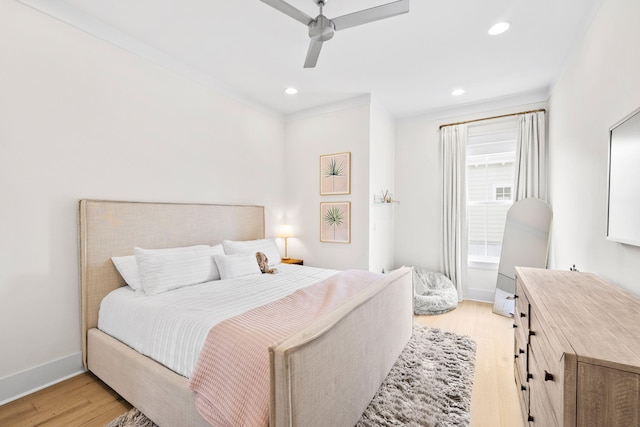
[{"x": 171, "y": 327}]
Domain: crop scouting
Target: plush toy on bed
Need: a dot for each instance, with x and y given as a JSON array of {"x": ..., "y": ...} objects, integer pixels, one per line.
[{"x": 263, "y": 263}]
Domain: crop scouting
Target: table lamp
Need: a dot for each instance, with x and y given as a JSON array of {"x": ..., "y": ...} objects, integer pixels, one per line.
[{"x": 285, "y": 232}]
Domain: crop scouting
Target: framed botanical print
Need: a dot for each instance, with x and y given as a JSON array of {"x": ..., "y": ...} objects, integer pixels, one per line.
[
  {"x": 335, "y": 222},
  {"x": 335, "y": 174}
]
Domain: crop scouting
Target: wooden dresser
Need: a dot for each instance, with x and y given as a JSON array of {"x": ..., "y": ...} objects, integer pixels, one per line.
[{"x": 577, "y": 350}]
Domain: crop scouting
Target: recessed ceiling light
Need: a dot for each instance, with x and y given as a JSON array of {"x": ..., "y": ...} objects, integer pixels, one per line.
[
  {"x": 499, "y": 28},
  {"x": 291, "y": 91},
  {"x": 457, "y": 92}
]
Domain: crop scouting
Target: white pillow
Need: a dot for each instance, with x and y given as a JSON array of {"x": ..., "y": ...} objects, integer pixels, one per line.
[
  {"x": 128, "y": 269},
  {"x": 162, "y": 270},
  {"x": 237, "y": 265},
  {"x": 215, "y": 250},
  {"x": 266, "y": 246}
]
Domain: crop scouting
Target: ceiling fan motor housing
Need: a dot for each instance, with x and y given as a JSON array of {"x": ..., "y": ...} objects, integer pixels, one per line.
[{"x": 321, "y": 29}]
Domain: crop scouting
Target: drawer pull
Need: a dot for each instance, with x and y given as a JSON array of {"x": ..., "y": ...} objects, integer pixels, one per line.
[
  {"x": 521, "y": 351},
  {"x": 531, "y": 333},
  {"x": 515, "y": 356},
  {"x": 523, "y": 387},
  {"x": 515, "y": 296},
  {"x": 515, "y": 326},
  {"x": 529, "y": 376},
  {"x": 523, "y": 315},
  {"x": 530, "y": 418},
  {"x": 548, "y": 376}
]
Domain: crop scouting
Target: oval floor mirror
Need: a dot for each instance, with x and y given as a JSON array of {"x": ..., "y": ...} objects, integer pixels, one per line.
[{"x": 525, "y": 243}]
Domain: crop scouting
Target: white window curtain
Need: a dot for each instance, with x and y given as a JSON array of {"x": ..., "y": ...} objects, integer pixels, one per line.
[
  {"x": 454, "y": 214},
  {"x": 531, "y": 157}
]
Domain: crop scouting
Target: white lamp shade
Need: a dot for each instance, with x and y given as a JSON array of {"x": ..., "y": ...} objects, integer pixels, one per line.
[{"x": 286, "y": 231}]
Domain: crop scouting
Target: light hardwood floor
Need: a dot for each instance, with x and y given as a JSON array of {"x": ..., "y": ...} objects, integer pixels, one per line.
[
  {"x": 86, "y": 401},
  {"x": 494, "y": 399},
  {"x": 83, "y": 400}
]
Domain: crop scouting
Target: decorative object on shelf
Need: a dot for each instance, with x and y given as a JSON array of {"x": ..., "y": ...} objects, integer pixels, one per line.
[
  {"x": 285, "y": 232},
  {"x": 335, "y": 222},
  {"x": 335, "y": 174},
  {"x": 385, "y": 197}
]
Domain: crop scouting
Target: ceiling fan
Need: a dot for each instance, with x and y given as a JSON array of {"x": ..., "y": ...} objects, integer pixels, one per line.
[{"x": 322, "y": 28}]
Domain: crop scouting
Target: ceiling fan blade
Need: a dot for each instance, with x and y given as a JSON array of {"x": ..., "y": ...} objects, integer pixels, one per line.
[
  {"x": 369, "y": 15},
  {"x": 286, "y": 8},
  {"x": 313, "y": 53}
]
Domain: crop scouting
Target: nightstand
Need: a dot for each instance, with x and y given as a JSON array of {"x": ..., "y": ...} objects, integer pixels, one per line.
[{"x": 292, "y": 261}]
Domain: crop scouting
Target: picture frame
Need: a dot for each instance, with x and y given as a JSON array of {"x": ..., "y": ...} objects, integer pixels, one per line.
[
  {"x": 335, "y": 174},
  {"x": 335, "y": 222}
]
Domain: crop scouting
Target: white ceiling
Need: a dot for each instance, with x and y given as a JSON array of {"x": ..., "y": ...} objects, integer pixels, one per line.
[{"x": 409, "y": 63}]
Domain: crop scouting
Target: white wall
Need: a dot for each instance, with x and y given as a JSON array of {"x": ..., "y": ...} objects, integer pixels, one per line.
[
  {"x": 418, "y": 183},
  {"x": 307, "y": 138},
  {"x": 80, "y": 118},
  {"x": 599, "y": 86},
  {"x": 381, "y": 178}
]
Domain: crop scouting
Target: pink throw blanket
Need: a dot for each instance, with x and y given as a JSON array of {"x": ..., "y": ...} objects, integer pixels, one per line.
[{"x": 231, "y": 377}]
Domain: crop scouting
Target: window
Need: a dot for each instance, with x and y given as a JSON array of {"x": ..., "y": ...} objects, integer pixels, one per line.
[
  {"x": 490, "y": 175},
  {"x": 502, "y": 193}
]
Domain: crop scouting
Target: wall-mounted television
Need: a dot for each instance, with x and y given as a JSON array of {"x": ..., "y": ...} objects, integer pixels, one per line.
[{"x": 623, "y": 219}]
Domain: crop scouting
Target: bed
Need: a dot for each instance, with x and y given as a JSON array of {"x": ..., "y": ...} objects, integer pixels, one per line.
[{"x": 343, "y": 356}]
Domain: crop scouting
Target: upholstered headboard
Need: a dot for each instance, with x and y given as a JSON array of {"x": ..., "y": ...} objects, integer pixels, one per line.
[{"x": 112, "y": 228}]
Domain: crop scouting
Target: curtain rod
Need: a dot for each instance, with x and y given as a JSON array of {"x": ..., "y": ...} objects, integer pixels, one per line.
[{"x": 494, "y": 117}]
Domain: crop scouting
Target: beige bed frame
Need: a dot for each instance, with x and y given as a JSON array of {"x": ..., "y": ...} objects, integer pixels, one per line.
[{"x": 325, "y": 374}]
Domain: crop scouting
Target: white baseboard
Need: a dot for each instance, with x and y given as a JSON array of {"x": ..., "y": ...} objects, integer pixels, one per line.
[
  {"x": 483, "y": 295},
  {"x": 26, "y": 382}
]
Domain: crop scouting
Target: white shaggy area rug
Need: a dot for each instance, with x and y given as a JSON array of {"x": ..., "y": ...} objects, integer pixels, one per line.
[{"x": 429, "y": 386}]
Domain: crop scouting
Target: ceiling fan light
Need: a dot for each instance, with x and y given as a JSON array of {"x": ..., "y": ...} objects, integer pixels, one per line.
[
  {"x": 291, "y": 91},
  {"x": 499, "y": 28}
]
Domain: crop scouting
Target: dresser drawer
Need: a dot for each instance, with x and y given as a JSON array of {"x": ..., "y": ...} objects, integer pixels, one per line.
[
  {"x": 546, "y": 366},
  {"x": 520, "y": 357},
  {"x": 545, "y": 405},
  {"x": 522, "y": 384},
  {"x": 520, "y": 341},
  {"x": 539, "y": 415},
  {"x": 604, "y": 387},
  {"x": 521, "y": 317},
  {"x": 523, "y": 397},
  {"x": 549, "y": 368},
  {"x": 522, "y": 306}
]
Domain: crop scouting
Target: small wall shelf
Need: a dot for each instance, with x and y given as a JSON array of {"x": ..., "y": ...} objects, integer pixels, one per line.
[{"x": 385, "y": 198}]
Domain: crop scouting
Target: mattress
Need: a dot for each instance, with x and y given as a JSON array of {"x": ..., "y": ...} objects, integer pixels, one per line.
[{"x": 171, "y": 327}]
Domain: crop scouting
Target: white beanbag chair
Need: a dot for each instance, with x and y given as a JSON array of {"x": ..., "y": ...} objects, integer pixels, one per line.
[{"x": 433, "y": 293}]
